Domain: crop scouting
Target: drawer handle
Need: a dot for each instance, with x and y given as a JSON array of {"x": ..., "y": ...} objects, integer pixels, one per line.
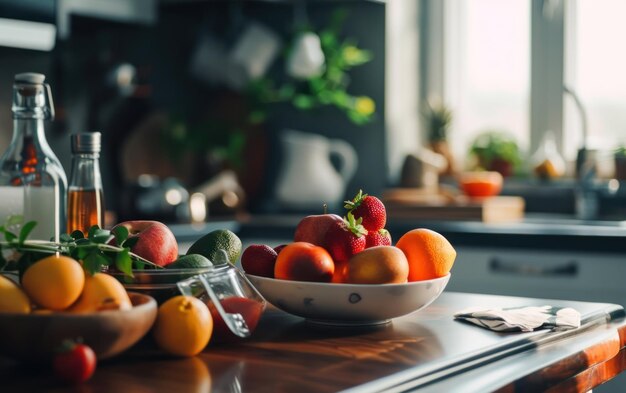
[{"x": 569, "y": 269}]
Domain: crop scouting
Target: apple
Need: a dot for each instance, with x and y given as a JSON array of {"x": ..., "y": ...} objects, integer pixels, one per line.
[
  {"x": 312, "y": 229},
  {"x": 156, "y": 242}
]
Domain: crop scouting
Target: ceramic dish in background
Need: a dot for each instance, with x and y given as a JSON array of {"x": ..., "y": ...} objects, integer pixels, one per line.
[
  {"x": 349, "y": 304},
  {"x": 36, "y": 337}
]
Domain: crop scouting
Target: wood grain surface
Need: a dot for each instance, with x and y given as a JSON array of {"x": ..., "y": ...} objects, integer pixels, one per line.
[{"x": 288, "y": 354}]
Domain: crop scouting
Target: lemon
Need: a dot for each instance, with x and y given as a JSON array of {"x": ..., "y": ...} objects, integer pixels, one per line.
[
  {"x": 12, "y": 298},
  {"x": 54, "y": 282},
  {"x": 210, "y": 244},
  {"x": 184, "y": 326}
]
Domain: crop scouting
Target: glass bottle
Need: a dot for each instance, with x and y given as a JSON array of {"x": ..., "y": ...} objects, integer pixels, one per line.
[
  {"x": 32, "y": 179},
  {"x": 85, "y": 196}
]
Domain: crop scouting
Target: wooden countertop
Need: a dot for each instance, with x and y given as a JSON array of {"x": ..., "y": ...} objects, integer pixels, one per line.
[{"x": 427, "y": 350}]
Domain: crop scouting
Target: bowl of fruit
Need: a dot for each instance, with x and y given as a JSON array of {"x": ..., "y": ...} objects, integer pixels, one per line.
[
  {"x": 56, "y": 301},
  {"x": 346, "y": 271}
]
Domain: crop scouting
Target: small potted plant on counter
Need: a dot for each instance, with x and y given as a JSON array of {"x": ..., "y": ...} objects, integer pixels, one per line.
[{"x": 496, "y": 151}]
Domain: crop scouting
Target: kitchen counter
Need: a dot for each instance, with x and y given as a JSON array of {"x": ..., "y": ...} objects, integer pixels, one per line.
[
  {"x": 428, "y": 350},
  {"x": 549, "y": 232}
]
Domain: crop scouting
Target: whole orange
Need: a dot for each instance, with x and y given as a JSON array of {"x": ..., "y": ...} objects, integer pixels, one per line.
[
  {"x": 184, "y": 326},
  {"x": 54, "y": 282},
  {"x": 102, "y": 292},
  {"x": 429, "y": 253}
]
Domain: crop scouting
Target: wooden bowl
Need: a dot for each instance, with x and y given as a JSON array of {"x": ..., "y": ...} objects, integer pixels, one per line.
[{"x": 35, "y": 337}]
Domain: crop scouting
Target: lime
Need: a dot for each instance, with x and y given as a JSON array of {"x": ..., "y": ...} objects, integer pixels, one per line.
[
  {"x": 210, "y": 244},
  {"x": 190, "y": 261}
]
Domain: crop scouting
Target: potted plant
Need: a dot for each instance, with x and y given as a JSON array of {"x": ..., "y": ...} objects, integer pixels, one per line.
[
  {"x": 496, "y": 151},
  {"x": 438, "y": 119}
]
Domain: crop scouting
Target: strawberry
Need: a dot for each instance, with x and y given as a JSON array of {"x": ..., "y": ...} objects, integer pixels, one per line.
[
  {"x": 370, "y": 209},
  {"x": 346, "y": 238},
  {"x": 380, "y": 237}
]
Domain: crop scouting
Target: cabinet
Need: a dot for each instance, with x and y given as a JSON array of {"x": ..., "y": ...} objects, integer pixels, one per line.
[{"x": 595, "y": 277}]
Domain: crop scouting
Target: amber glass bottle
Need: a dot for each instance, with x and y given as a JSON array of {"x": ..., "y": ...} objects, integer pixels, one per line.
[{"x": 85, "y": 195}]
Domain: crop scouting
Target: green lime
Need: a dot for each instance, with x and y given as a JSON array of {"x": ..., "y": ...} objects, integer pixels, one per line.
[
  {"x": 210, "y": 244},
  {"x": 190, "y": 261}
]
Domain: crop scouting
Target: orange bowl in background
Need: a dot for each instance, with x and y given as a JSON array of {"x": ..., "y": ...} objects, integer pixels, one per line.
[{"x": 480, "y": 184}]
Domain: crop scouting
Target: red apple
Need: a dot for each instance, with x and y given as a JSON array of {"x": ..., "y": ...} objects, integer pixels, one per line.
[
  {"x": 156, "y": 241},
  {"x": 312, "y": 229}
]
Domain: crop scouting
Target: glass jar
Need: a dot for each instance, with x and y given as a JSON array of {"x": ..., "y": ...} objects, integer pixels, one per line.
[{"x": 235, "y": 304}]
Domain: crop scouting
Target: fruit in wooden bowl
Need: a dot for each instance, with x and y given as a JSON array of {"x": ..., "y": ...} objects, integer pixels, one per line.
[
  {"x": 480, "y": 184},
  {"x": 36, "y": 336}
]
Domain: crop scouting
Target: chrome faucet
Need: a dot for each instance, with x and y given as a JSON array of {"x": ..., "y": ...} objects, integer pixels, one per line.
[{"x": 586, "y": 192}]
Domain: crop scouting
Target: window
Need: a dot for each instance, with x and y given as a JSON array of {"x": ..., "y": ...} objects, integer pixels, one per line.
[
  {"x": 596, "y": 68},
  {"x": 505, "y": 61},
  {"x": 487, "y": 68}
]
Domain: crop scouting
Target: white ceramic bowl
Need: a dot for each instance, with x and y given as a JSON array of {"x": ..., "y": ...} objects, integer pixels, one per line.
[{"x": 349, "y": 304}]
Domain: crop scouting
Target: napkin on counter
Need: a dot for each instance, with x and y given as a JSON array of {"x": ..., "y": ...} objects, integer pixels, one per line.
[{"x": 525, "y": 319}]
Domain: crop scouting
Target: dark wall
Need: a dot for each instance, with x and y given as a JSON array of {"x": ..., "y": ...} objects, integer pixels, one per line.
[{"x": 78, "y": 70}]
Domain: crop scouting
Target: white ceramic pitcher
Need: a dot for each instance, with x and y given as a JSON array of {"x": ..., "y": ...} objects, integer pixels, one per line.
[{"x": 307, "y": 177}]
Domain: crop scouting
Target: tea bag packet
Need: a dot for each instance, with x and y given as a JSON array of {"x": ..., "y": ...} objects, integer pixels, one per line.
[{"x": 524, "y": 319}]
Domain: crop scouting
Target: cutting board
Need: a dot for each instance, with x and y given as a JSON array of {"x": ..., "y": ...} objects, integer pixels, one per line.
[{"x": 414, "y": 203}]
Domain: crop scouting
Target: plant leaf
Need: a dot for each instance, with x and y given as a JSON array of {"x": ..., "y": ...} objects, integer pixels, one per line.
[
  {"x": 93, "y": 263},
  {"x": 77, "y": 234},
  {"x": 9, "y": 236},
  {"x": 65, "y": 238},
  {"x": 130, "y": 242},
  {"x": 25, "y": 231},
  {"x": 121, "y": 234},
  {"x": 124, "y": 263},
  {"x": 100, "y": 236}
]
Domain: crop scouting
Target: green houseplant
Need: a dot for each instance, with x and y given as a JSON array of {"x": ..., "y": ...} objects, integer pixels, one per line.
[
  {"x": 437, "y": 119},
  {"x": 496, "y": 151}
]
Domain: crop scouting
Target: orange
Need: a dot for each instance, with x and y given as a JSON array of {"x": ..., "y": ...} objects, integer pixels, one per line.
[
  {"x": 12, "y": 298},
  {"x": 184, "y": 326},
  {"x": 54, "y": 282},
  {"x": 430, "y": 255},
  {"x": 102, "y": 292},
  {"x": 378, "y": 265}
]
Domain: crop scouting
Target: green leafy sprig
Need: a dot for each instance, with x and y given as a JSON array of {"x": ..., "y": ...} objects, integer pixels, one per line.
[{"x": 94, "y": 249}]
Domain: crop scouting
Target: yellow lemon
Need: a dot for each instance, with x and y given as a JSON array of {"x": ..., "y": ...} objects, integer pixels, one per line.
[
  {"x": 12, "y": 298},
  {"x": 54, "y": 282},
  {"x": 102, "y": 292},
  {"x": 184, "y": 326}
]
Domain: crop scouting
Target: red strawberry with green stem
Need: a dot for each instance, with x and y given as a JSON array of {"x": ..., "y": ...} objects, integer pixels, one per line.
[
  {"x": 344, "y": 239},
  {"x": 370, "y": 209},
  {"x": 380, "y": 237}
]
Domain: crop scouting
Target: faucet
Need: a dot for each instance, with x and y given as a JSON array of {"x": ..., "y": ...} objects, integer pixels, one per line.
[{"x": 586, "y": 195}]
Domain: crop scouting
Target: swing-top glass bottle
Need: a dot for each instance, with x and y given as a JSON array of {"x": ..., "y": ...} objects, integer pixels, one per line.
[{"x": 32, "y": 180}]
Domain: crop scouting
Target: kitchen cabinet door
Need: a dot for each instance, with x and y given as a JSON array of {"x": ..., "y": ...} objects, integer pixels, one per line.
[{"x": 540, "y": 273}]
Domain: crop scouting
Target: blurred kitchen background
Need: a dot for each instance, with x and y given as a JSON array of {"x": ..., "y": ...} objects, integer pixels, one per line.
[{"x": 237, "y": 107}]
